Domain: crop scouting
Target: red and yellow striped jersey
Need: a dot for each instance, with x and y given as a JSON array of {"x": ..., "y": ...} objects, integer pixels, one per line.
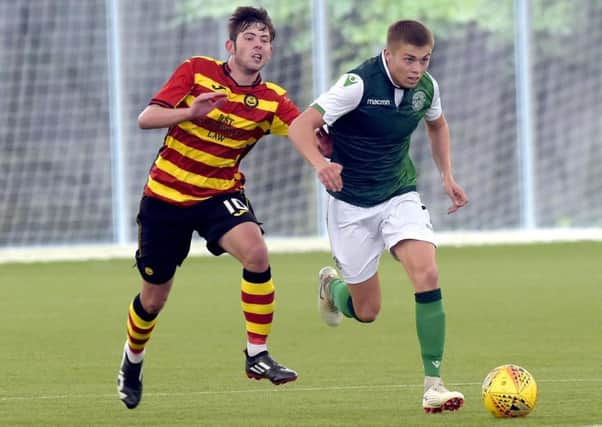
[{"x": 201, "y": 158}]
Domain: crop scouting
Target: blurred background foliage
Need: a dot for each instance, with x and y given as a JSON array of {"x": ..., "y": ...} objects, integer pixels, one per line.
[{"x": 361, "y": 26}]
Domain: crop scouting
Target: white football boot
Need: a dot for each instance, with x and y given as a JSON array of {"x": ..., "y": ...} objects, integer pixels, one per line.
[
  {"x": 437, "y": 398},
  {"x": 329, "y": 312}
]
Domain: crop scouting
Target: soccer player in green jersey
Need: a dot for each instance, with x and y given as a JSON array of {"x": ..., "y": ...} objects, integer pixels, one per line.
[{"x": 372, "y": 204}]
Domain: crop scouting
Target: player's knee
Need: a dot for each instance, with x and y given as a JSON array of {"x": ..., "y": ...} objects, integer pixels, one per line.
[
  {"x": 367, "y": 314},
  {"x": 255, "y": 257},
  {"x": 426, "y": 278}
]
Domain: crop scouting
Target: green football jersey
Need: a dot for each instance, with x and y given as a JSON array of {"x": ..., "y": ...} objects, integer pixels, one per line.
[{"x": 370, "y": 122}]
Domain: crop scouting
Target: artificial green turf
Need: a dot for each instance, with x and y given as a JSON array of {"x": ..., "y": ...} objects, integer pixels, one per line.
[{"x": 63, "y": 328}]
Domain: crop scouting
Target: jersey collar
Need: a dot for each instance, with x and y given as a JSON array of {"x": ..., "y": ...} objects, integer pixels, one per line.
[{"x": 228, "y": 72}]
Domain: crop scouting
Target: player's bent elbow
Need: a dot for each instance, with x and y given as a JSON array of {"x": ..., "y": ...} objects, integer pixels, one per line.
[
  {"x": 150, "y": 117},
  {"x": 143, "y": 122}
]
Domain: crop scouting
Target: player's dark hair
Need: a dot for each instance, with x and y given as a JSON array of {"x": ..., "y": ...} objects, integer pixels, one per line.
[
  {"x": 245, "y": 16},
  {"x": 410, "y": 32}
]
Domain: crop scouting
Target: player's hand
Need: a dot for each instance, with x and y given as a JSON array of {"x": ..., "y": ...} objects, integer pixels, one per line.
[
  {"x": 324, "y": 143},
  {"x": 330, "y": 176},
  {"x": 456, "y": 194},
  {"x": 206, "y": 102}
]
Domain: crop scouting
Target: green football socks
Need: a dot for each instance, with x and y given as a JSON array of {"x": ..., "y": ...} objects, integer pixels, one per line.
[
  {"x": 430, "y": 327},
  {"x": 339, "y": 293},
  {"x": 430, "y": 323}
]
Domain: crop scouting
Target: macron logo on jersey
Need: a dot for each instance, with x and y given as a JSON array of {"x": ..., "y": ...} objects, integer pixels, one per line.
[{"x": 371, "y": 101}]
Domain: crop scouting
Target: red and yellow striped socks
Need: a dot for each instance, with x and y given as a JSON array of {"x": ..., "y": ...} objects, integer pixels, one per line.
[
  {"x": 257, "y": 298},
  {"x": 140, "y": 326}
]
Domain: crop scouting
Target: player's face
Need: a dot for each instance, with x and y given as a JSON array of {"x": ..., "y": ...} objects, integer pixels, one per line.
[
  {"x": 252, "y": 48},
  {"x": 407, "y": 63}
]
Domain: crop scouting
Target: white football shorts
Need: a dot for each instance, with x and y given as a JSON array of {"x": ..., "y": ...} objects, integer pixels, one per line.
[{"x": 358, "y": 236}]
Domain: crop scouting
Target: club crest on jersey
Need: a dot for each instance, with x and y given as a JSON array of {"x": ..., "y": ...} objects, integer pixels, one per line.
[
  {"x": 251, "y": 100},
  {"x": 350, "y": 80},
  {"x": 418, "y": 100}
]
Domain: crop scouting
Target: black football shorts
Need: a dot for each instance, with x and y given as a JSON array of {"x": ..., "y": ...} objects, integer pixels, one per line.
[{"x": 165, "y": 230}]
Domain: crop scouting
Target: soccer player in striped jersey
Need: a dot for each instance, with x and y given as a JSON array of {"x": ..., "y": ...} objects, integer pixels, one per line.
[
  {"x": 214, "y": 112},
  {"x": 373, "y": 203}
]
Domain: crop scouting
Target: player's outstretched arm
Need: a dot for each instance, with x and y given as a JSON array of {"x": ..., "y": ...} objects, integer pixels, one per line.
[
  {"x": 302, "y": 134},
  {"x": 155, "y": 116},
  {"x": 440, "y": 139}
]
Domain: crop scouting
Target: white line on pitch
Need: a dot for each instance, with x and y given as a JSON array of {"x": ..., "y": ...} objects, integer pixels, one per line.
[{"x": 279, "y": 390}]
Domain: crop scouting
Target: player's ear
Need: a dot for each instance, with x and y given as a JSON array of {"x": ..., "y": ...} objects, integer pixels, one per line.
[
  {"x": 230, "y": 46},
  {"x": 387, "y": 53}
]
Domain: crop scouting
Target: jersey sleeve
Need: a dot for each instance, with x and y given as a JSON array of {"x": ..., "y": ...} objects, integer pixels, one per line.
[
  {"x": 435, "y": 110},
  {"x": 176, "y": 88},
  {"x": 286, "y": 112},
  {"x": 344, "y": 96}
]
